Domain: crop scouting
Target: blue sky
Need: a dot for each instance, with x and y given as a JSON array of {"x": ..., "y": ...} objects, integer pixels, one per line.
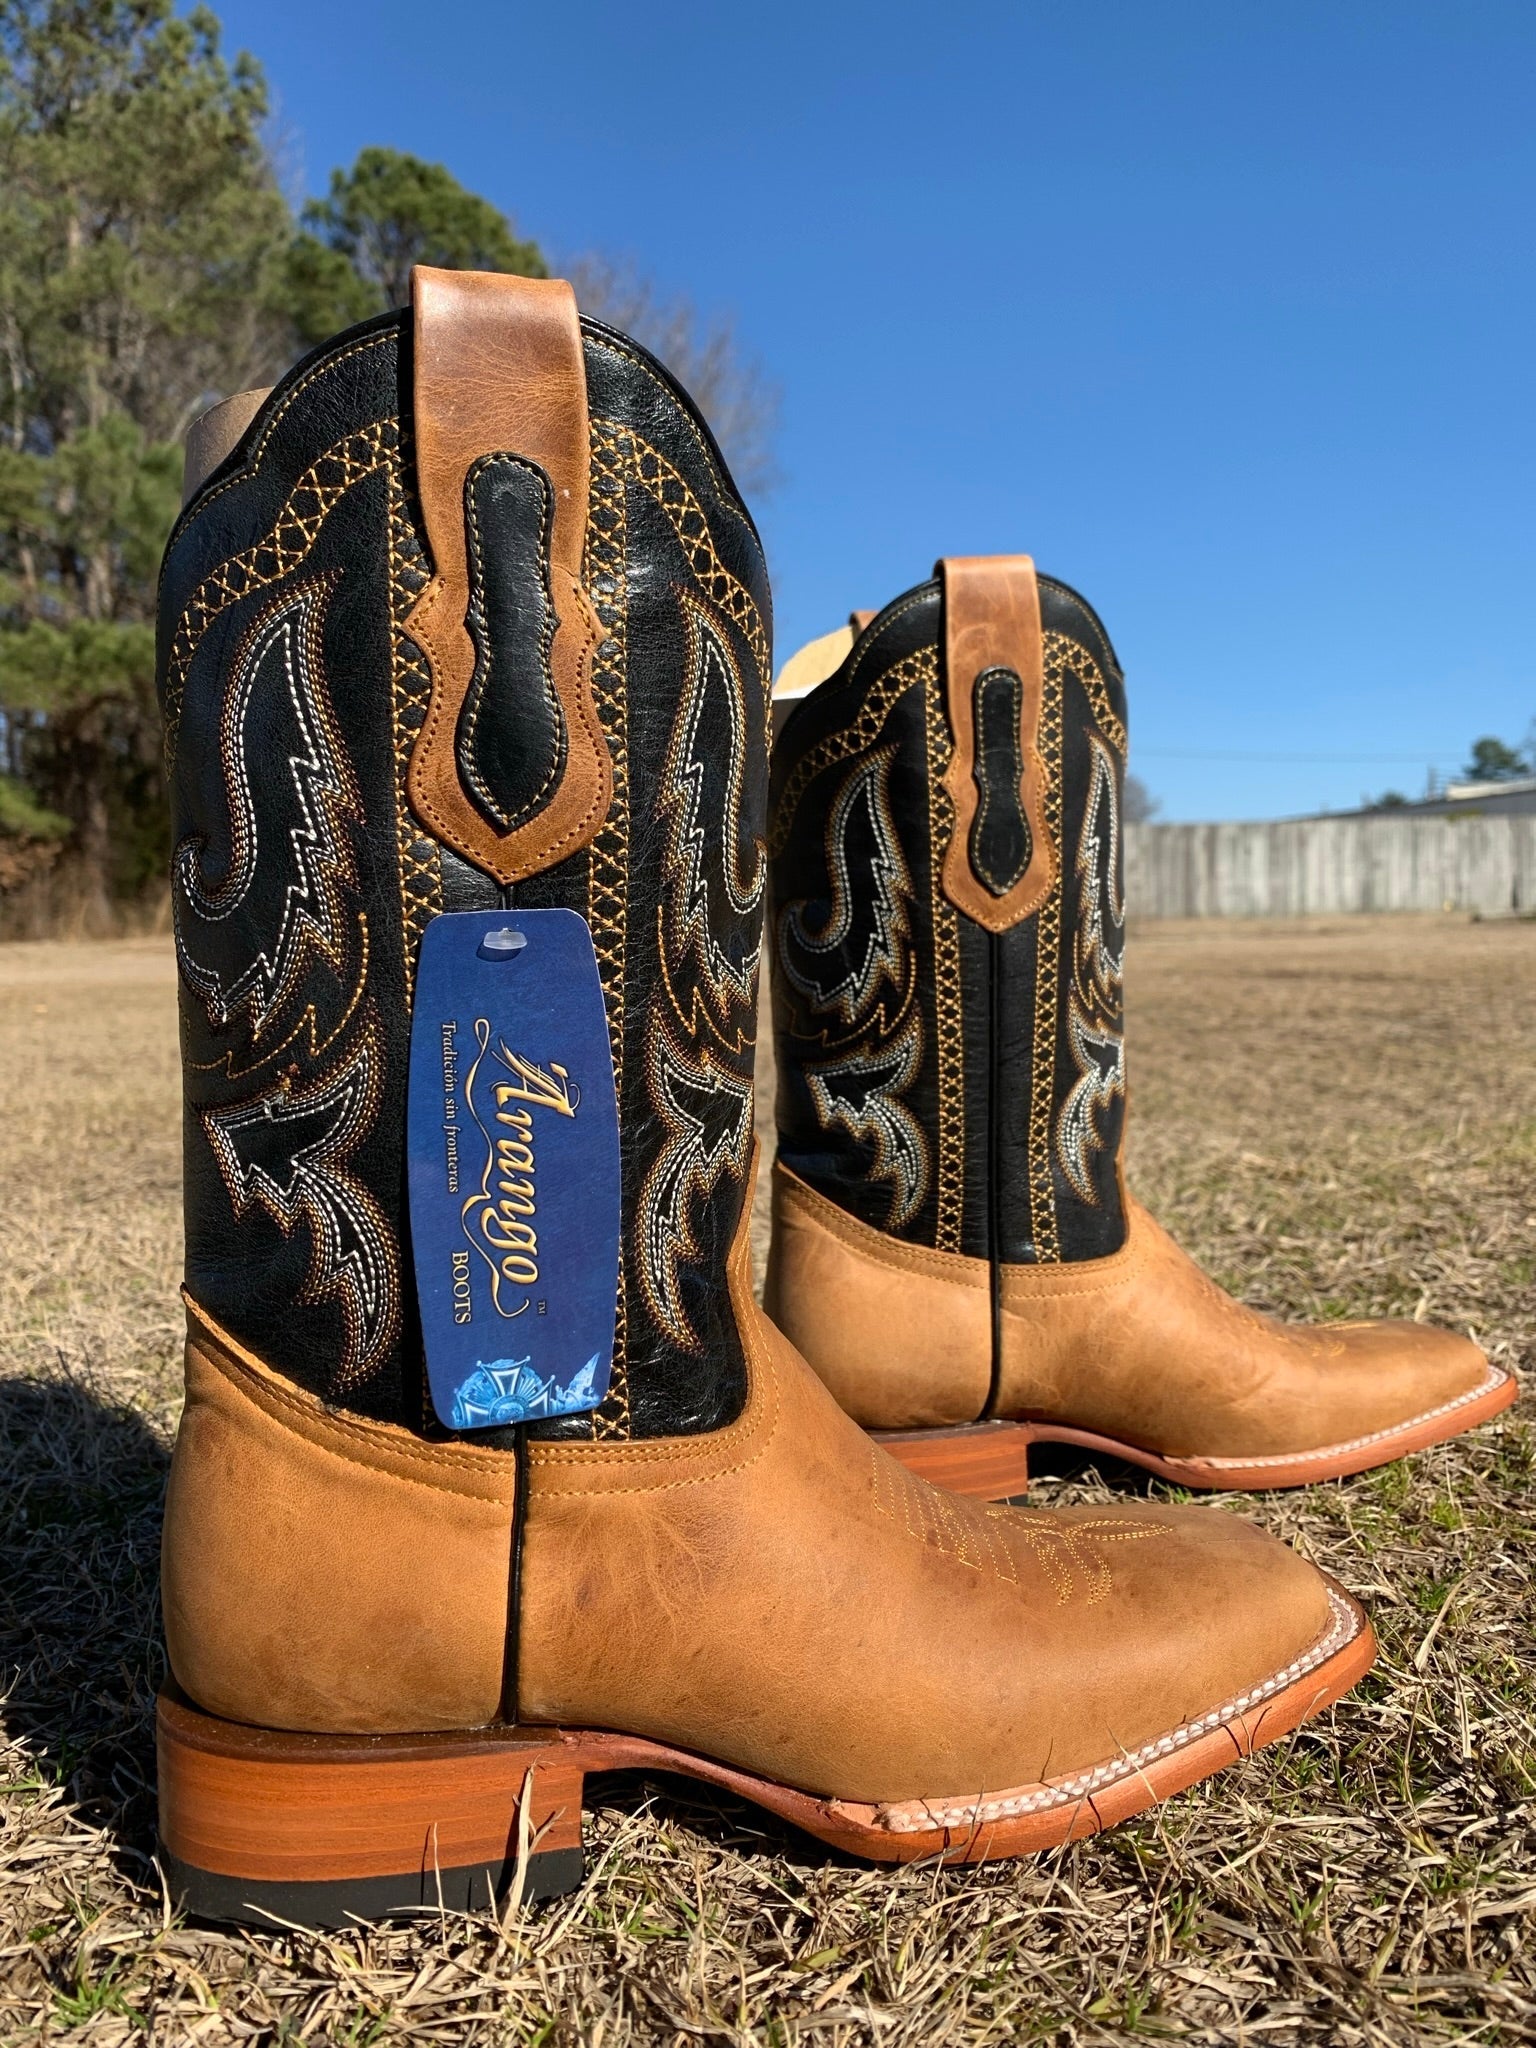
[{"x": 1223, "y": 312}]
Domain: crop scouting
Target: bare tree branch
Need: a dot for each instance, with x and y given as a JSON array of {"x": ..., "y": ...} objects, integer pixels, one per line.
[{"x": 731, "y": 389}]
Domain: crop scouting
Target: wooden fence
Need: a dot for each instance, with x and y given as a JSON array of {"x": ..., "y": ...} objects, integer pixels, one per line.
[{"x": 1312, "y": 866}]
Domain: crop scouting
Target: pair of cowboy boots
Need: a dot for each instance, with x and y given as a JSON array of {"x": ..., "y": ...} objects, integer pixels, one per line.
[
  {"x": 467, "y": 616},
  {"x": 954, "y": 1247}
]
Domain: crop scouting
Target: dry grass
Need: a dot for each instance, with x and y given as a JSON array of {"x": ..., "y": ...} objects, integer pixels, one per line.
[{"x": 1336, "y": 1118}]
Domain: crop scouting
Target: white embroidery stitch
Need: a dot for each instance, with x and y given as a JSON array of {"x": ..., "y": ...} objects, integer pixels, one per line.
[
  {"x": 1100, "y": 1057},
  {"x": 288, "y": 1152},
  {"x": 1095, "y": 1004},
  {"x": 1101, "y": 924},
  {"x": 867, "y": 935},
  {"x": 278, "y": 672},
  {"x": 692, "y": 918},
  {"x": 861, "y": 1092},
  {"x": 706, "y": 1112}
]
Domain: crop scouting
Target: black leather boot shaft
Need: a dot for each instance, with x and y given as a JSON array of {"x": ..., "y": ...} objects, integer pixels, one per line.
[
  {"x": 956, "y": 1087},
  {"x": 303, "y": 877}
]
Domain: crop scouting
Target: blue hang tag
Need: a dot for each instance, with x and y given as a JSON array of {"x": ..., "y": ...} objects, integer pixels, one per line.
[{"x": 514, "y": 1167}]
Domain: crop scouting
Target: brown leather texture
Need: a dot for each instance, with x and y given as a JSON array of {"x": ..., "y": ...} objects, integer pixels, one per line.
[
  {"x": 499, "y": 369},
  {"x": 323, "y": 1572},
  {"x": 272, "y": 1808},
  {"x": 213, "y": 435},
  {"x": 992, "y": 620},
  {"x": 297, "y": 1809},
  {"x": 782, "y": 1596},
  {"x": 1141, "y": 1347},
  {"x": 830, "y": 1284},
  {"x": 1147, "y": 1339}
]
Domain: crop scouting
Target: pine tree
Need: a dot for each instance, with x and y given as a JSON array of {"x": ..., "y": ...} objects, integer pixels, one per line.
[
  {"x": 150, "y": 265},
  {"x": 388, "y": 213},
  {"x": 144, "y": 249}
]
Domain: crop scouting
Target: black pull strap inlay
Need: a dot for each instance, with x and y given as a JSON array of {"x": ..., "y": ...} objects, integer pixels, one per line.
[
  {"x": 512, "y": 736},
  {"x": 1000, "y": 837}
]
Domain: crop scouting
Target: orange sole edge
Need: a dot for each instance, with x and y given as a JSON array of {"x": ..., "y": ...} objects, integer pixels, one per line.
[
  {"x": 316, "y": 1831},
  {"x": 990, "y": 1460}
]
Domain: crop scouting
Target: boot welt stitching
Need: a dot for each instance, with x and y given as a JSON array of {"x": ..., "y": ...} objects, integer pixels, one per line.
[
  {"x": 916, "y": 1816},
  {"x": 1495, "y": 1376}
]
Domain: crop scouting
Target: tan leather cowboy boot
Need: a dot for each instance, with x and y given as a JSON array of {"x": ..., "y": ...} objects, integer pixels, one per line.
[
  {"x": 471, "y": 618},
  {"x": 954, "y": 1249}
]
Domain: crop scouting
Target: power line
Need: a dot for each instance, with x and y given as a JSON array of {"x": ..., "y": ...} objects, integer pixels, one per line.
[{"x": 1422, "y": 760}]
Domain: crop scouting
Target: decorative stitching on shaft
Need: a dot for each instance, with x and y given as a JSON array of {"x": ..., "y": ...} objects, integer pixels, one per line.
[
  {"x": 204, "y": 499},
  {"x": 1063, "y": 655},
  {"x": 474, "y": 702},
  {"x": 410, "y": 691},
  {"x": 605, "y": 572},
  {"x": 276, "y": 555},
  {"x": 983, "y": 776},
  {"x": 639, "y": 463},
  {"x": 1042, "y": 1187},
  {"x": 867, "y": 725},
  {"x": 948, "y": 1009}
]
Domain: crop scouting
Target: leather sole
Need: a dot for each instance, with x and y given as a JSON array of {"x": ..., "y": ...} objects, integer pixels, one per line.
[
  {"x": 990, "y": 1460},
  {"x": 267, "y": 1828}
]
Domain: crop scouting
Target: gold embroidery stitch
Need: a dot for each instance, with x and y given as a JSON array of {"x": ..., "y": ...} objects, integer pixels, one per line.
[
  {"x": 315, "y": 909},
  {"x": 605, "y": 573},
  {"x": 277, "y": 554},
  {"x": 353, "y": 1255},
  {"x": 704, "y": 1109},
  {"x": 1069, "y": 657},
  {"x": 1000, "y": 1542},
  {"x": 723, "y": 986},
  {"x": 1068, "y": 1552},
  {"x": 1064, "y": 657},
  {"x": 949, "y": 1032},
  {"x": 628, "y": 459},
  {"x": 410, "y": 689},
  {"x": 1042, "y": 1186},
  {"x": 868, "y": 723},
  {"x": 879, "y": 888},
  {"x": 306, "y": 1029}
]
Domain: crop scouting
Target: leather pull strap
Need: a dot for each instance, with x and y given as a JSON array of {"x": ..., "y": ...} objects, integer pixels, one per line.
[
  {"x": 511, "y": 768},
  {"x": 1000, "y": 865}
]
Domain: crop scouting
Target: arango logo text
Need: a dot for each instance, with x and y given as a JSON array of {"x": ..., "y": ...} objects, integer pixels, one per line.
[{"x": 500, "y": 1219}]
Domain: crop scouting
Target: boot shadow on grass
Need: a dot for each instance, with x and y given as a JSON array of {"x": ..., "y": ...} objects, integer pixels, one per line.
[
  {"x": 720, "y": 1822},
  {"x": 83, "y": 1478},
  {"x": 1048, "y": 1461}
]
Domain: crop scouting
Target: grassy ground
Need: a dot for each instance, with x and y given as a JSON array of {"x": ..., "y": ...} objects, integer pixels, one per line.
[{"x": 1338, "y": 1119}]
